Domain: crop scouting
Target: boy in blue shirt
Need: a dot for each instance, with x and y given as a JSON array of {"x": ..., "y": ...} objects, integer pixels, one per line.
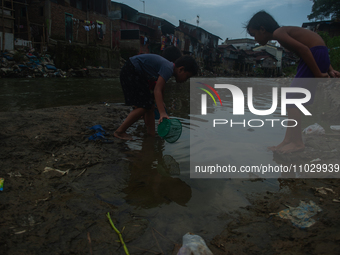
[{"x": 136, "y": 78}]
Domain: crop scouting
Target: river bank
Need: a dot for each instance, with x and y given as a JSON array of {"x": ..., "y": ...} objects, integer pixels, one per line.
[{"x": 45, "y": 211}]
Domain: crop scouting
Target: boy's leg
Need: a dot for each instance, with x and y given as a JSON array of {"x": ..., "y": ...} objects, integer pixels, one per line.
[
  {"x": 130, "y": 119},
  {"x": 149, "y": 119},
  {"x": 293, "y": 138}
]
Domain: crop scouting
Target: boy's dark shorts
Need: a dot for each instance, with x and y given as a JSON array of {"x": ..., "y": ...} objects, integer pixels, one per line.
[
  {"x": 320, "y": 54},
  {"x": 135, "y": 87}
]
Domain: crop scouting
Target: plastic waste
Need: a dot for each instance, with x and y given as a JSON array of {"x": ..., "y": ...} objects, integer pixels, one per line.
[
  {"x": 335, "y": 127},
  {"x": 48, "y": 169},
  {"x": 301, "y": 216},
  {"x": 193, "y": 244},
  {"x": 2, "y": 184},
  {"x": 314, "y": 129}
]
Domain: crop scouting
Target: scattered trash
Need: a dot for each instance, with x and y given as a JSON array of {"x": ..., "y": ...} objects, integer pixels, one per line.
[
  {"x": 48, "y": 169},
  {"x": 99, "y": 128},
  {"x": 118, "y": 233},
  {"x": 20, "y": 232},
  {"x": 323, "y": 190},
  {"x": 301, "y": 216},
  {"x": 194, "y": 244},
  {"x": 315, "y": 160},
  {"x": 99, "y": 137},
  {"x": 79, "y": 174},
  {"x": 2, "y": 184},
  {"x": 335, "y": 127},
  {"x": 11, "y": 174},
  {"x": 314, "y": 129}
]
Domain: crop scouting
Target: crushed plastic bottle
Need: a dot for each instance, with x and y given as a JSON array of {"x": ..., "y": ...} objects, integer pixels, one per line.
[{"x": 194, "y": 244}]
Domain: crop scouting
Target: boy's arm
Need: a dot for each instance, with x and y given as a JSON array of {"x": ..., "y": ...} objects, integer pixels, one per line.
[
  {"x": 158, "y": 92},
  {"x": 302, "y": 50},
  {"x": 333, "y": 73}
]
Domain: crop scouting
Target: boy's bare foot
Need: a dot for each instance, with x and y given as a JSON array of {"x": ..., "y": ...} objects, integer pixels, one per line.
[
  {"x": 291, "y": 147},
  {"x": 123, "y": 136},
  {"x": 278, "y": 147}
]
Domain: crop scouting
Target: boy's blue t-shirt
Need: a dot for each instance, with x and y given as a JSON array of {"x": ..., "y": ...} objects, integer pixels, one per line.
[{"x": 154, "y": 65}]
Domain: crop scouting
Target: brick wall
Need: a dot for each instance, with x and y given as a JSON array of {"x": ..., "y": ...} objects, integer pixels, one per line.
[{"x": 79, "y": 34}]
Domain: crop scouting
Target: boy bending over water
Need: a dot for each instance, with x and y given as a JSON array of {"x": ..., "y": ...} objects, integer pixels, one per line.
[
  {"x": 143, "y": 78},
  {"x": 314, "y": 62}
]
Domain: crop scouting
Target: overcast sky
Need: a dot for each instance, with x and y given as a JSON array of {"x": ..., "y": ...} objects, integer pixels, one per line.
[{"x": 225, "y": 18}]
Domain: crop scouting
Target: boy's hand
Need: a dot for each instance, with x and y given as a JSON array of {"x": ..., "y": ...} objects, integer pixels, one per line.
[
  {"x": 323, "y": 75},
  {"x": 162, "y": 116},
  {"x": 334, "y": 74}
]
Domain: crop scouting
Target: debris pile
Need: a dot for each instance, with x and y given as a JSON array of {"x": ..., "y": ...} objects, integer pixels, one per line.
[{"x": 30, "y": 64}]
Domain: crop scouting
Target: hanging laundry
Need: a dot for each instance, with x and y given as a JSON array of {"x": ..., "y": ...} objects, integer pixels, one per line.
[
  {"x": 100, "y": 32},
  {"x": 163, "y": 42},
  {"x": 87, "y": 28},
  {"x": 145, "y": 40}
]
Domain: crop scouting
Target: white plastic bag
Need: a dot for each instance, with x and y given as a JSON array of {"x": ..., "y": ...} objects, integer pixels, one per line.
[
  {"x": 193, "y": 244},
  {"x": 314, "y": 129}
]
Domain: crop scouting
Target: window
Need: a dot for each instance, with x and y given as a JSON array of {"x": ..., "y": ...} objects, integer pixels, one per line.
[
  {"x": 23, "y": 12},
  {"x": 79, "y": 4},
  {"x": 130, "y": 34}
]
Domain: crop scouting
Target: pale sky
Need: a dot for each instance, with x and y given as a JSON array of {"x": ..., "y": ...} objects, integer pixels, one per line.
[{"x": 225, "y": 18}]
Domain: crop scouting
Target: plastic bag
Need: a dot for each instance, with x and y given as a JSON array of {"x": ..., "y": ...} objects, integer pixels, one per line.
[
  {"x": 193, "y": 244},
  {"x": 301, "y": 216},
  {"x": 314, "y": 129}
]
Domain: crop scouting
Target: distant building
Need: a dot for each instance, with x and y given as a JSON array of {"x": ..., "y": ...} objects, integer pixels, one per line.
[
  {"x": 83, "y": 22},
  {"x": 332, "y": 27},
  {"x": 138, "y": 31},
  {"x": 229, "y": 56},
  {"x": 241, "y": 44},
  {"x": 276, "y": 52},
  {"x": 199, "y": 43}
]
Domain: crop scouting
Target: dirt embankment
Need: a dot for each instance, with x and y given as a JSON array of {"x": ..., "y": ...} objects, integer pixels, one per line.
[{"x": 45, "y": 211}]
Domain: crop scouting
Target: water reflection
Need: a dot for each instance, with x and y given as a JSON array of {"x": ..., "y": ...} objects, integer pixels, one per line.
[
  {"x": 151, "y": 182},
  {"x": 30, "y": 94}
]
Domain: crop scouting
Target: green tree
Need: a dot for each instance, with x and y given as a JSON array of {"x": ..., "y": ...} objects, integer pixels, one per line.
[
  {"x": 333, "y": 44},
  {"x": 322, "y": 9}
]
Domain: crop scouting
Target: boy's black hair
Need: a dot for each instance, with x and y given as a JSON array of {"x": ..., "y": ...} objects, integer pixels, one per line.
[
  {"x": 189, "y": 64},
  {"x": 172, "y": 53},
  {"x": 262, "y": 19}
]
